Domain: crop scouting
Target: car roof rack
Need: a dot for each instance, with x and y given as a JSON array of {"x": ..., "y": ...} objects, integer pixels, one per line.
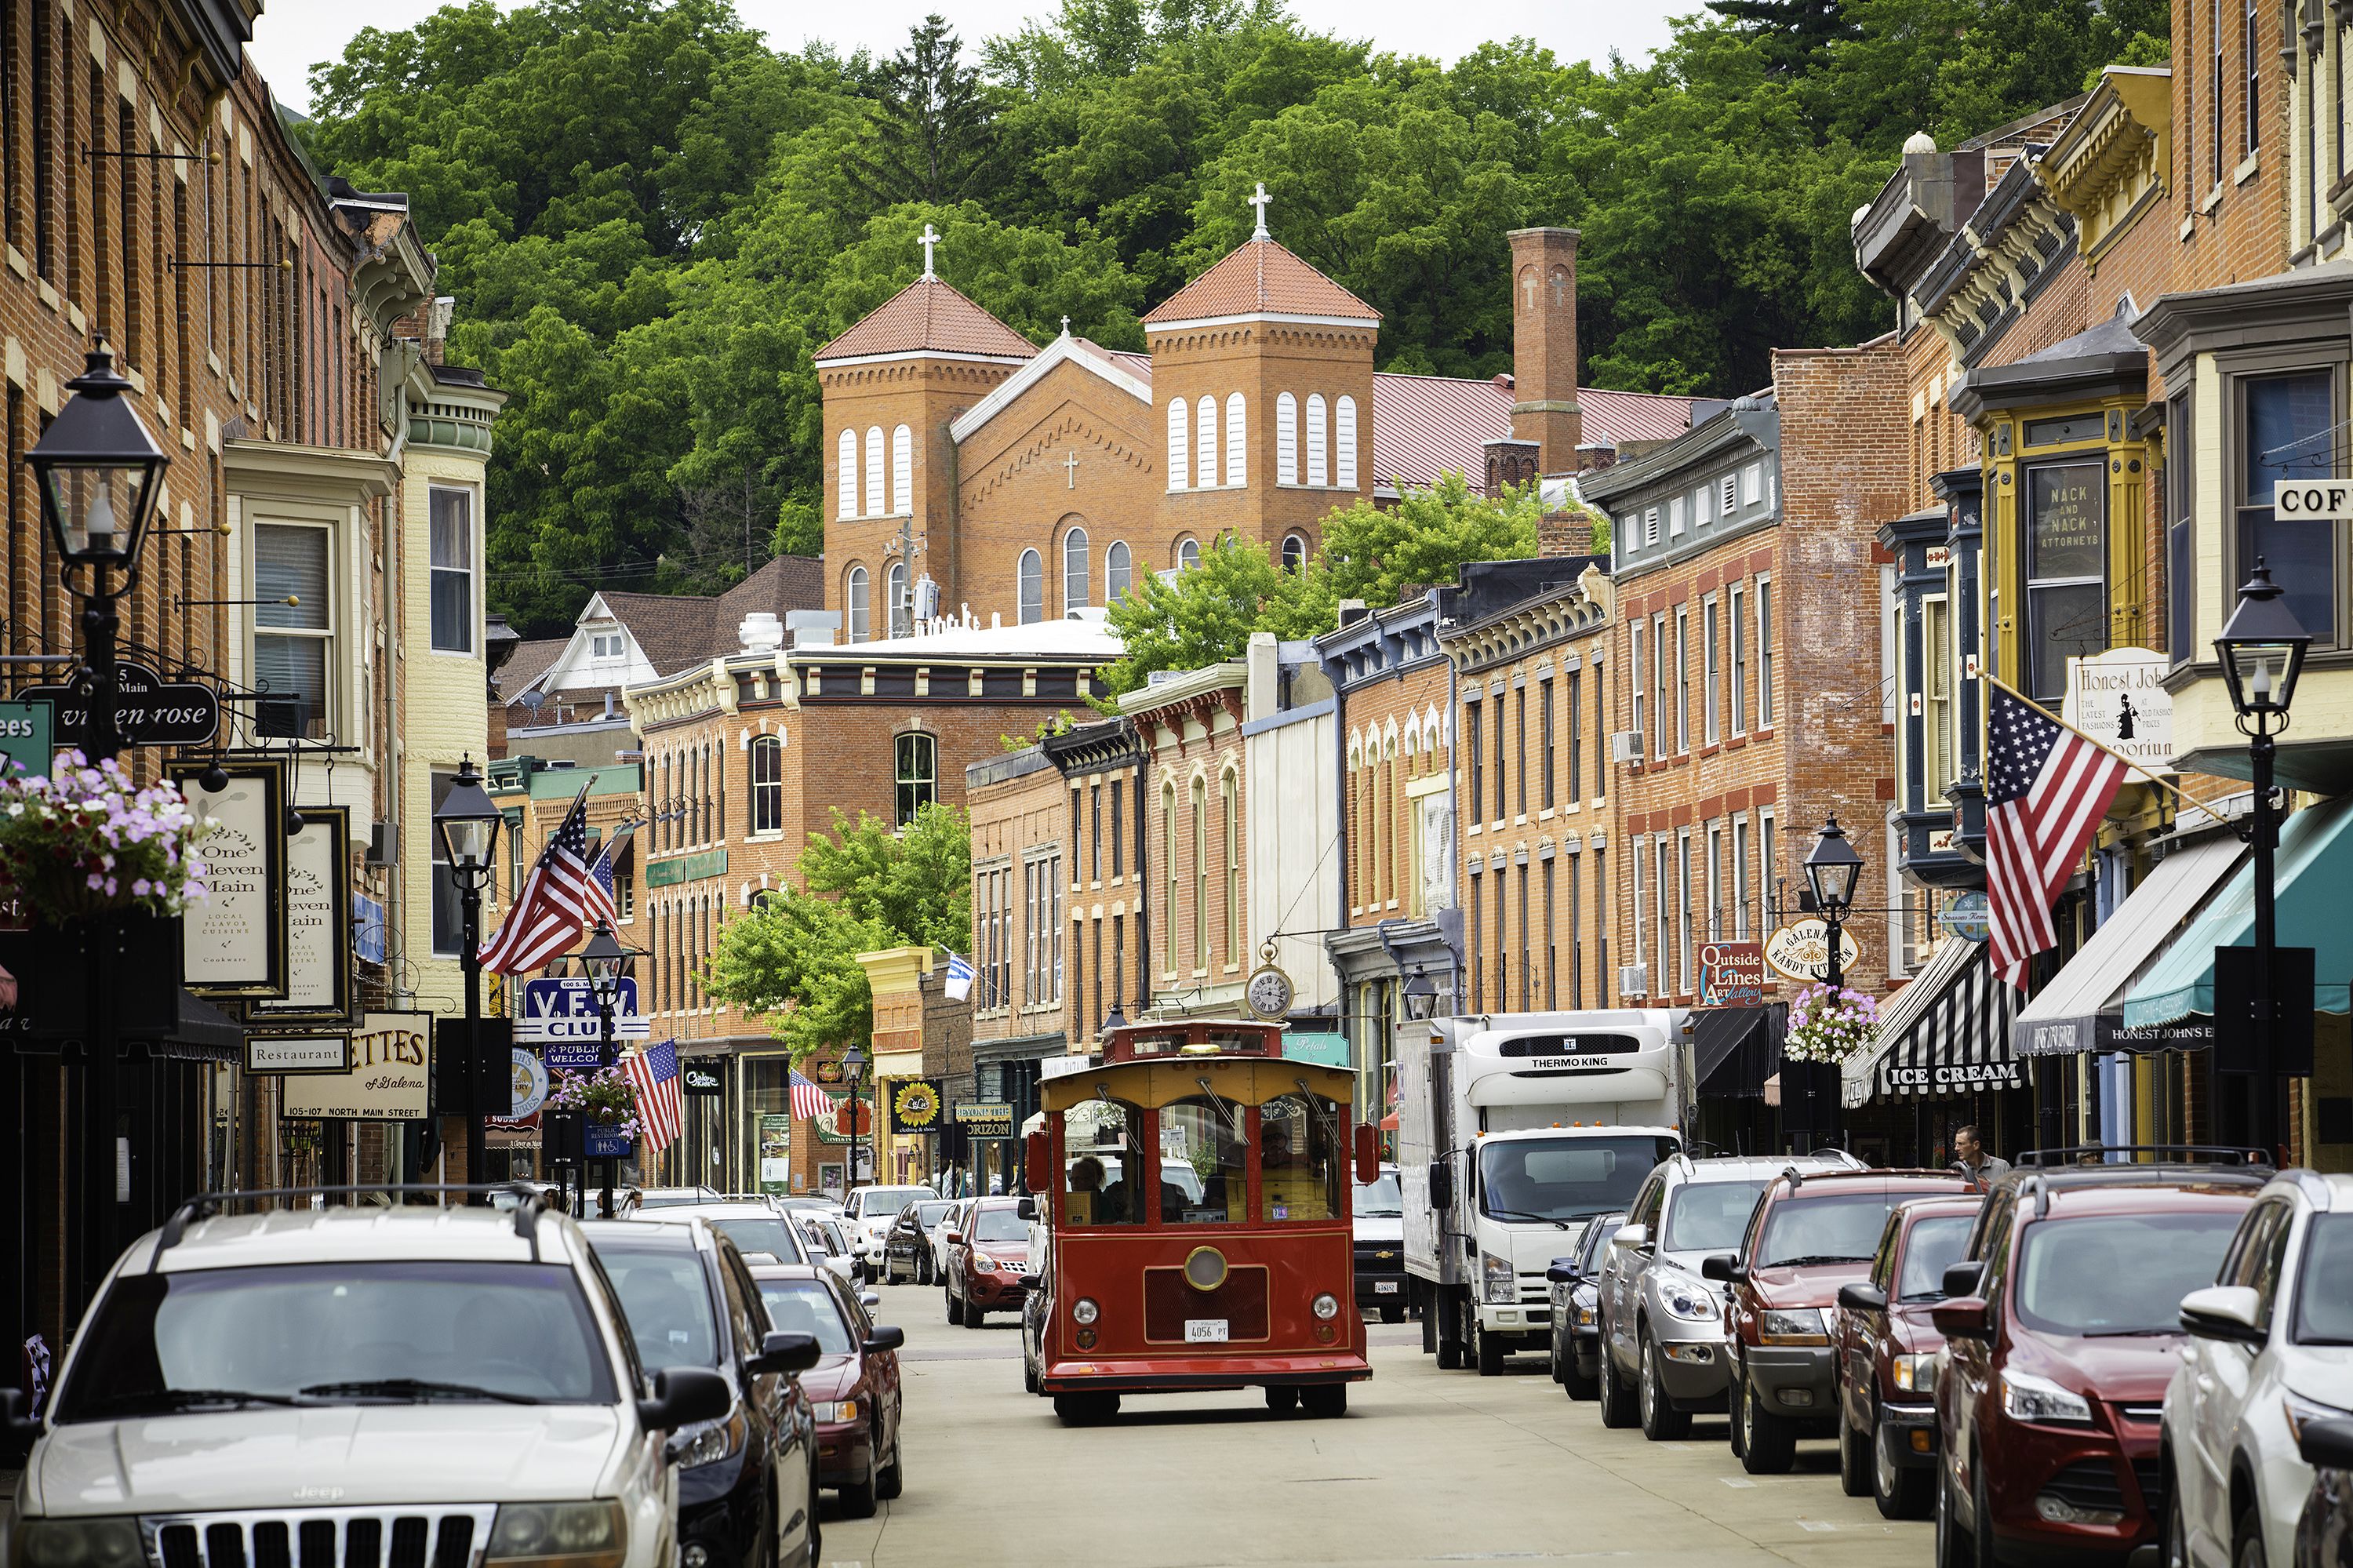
[
  {"x": 530, "y": 1203},
  {"x": 2174, "y": 1153}
]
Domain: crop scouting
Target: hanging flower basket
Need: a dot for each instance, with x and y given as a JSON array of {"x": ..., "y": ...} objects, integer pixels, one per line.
[
  {"x": 85, "y": 841},
  {"x": 604, "y": 1097},
  {"x": 1829, "y": 1026}
]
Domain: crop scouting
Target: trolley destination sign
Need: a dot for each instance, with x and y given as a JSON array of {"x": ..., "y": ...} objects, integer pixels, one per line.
[{"x": 148, "y": 709}]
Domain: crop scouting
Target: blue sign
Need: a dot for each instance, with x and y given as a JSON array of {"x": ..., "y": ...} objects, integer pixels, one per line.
[
  {"x": 367, "y": 927},
  {"x": 603, "y": 1143},
  {"x": 559, "y": 1011},
  {"x": 573, "y": 1056}
]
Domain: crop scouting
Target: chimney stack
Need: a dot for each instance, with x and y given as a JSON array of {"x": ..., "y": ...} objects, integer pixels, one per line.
[{"x": 1544, "y": 345}]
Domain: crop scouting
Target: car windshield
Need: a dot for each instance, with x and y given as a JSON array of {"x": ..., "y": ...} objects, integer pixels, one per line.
[
  {"x": 1933, "y": 1244},
  {"x": 806, "y": 1307},
  {"x": 1564, "y": 1178},
  {"x": 1379, "y": 1200},
  {"x": 2323, "y": 1294},
  {"x": 771, "y": 1234},
  {"x": 928, "y": 1214},
  {"x": 339, "y": 1333},
  {"x": 666, "y": 1298},
  {"x": 2108, "y": 1275},
  {"x": 999, "y": 1225},
  {"x": 877, "y": 1202},
  {"x": 1709, "y": 1216},
  {"x": 1833, "y": 1227}
]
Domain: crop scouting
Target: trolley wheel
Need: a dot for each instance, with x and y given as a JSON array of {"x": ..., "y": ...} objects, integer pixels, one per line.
[
  {"x": 1281, "y": 1398},
  {"x": 1326, "y": 1400}
]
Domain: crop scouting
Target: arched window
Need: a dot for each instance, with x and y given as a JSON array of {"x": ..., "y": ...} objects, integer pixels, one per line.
[
  {"x": 1117, "y": 568},
  {"x": 1231, "y": 807},
  {"x": 1180, "y": 443},
  {"x": 844, "y": 478},
  {"x": 703, "y": 780},
  {"x": 1204, "y": 439},
  {"x": 874, "y": 501},
  {"x": 902, "y": 469},
  {"x": 1237, "y": 440},
  {"x": 919, "y": 774},
  {"x": 1200, "y": 873},
  {"x": 1032, "y": 587},
  {"x": 767, "y": 784},
  {"x": 1343, "y": 443},
  {"x": 894, "y": 602},
  {"x": 1286, "y": 438},
  {"x": 1294, "y": 552},
  {"x": 1318, "y": 449},
  {"x": 1075, "y": 571},
  {"x": 853, "y": 596},
  {"x": 1168, "y": 867},
  {"x": 1188, "y": 553}
]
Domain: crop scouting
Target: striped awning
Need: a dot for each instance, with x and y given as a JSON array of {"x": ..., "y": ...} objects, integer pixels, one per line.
[{"x": 1947, "y": 1033}]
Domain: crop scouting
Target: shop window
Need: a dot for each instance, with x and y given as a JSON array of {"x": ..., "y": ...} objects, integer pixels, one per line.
[
  {"x": 1936, "y": 660},
  {"x": 918, "y": 760},
  {"x": 2066, "y": 557},
  {"x": 2286, "y": 436},
  {"x": 767, "y": 784}
]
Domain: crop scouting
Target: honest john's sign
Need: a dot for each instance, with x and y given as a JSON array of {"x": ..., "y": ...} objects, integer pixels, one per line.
[
  {"x": 391, "y": 1073},
  {"x": 2118, "y": 698}
]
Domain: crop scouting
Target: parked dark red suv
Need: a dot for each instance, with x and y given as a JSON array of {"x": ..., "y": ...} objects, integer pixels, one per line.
[
  {"x": 988, "y": 1261},
  {"x": 2062, "y": 1328},
  {"x": 1810, "y": 1234},
  {"x": 1887, "y": 1346}
]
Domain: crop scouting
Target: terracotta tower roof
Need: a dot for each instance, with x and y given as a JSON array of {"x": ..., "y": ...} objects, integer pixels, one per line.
[
  {"x": 928, "y": 315},
  {"x": 1259, "y": 277}
]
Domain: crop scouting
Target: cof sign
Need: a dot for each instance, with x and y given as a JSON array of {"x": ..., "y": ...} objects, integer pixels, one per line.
[
  {"x": 1731, "y": 974},
  {"x": 564, "y": 1012},
  {"x": 1802, "y": 950},
  {"x": 2312, "y": 499},
  {"x": 706, "y": 1079},
  {"x": 1970, "y": 917},
  {"x": 2118, "y": 698},
  {"x": 148, "y": 709}
]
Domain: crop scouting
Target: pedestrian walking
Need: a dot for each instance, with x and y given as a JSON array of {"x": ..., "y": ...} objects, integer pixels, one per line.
[{"x": 1971, "y": 1159}]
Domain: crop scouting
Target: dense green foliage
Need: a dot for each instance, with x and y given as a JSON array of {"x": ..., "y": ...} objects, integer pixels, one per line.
[
  {"x": 650, "y": 220},
  {"x": 794, "y": 957}
]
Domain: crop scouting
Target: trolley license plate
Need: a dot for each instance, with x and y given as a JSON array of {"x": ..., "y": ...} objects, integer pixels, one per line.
[
  {"x": 1204, "y": 1330},
  {"x": 1385, "y": 1286}
]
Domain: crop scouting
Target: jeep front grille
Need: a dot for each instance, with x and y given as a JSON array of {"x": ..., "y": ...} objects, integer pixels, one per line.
[{"x": 442, "y": 1537}]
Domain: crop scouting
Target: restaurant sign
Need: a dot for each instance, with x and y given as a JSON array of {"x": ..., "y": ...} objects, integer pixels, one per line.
[{"x": 390, "y": 1077}]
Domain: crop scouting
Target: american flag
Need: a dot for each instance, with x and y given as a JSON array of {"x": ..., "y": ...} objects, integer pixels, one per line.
[
  {"x": 600, "y": 888},
  {"x": 2047, "y": 788},
  {"x": 557, "y": 901},
  {"x": 809, "y": 1100},
  {"x": 653, "y": 1073}
]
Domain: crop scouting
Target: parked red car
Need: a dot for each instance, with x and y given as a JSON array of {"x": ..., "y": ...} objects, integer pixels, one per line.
[
  {"x": 1810, "y": 1234},
  {"x": 854, "y": 1385},
  {"x": 1887, "y": 1347},
  {"x": 988, "y": 1261},
  {"x": 2061, "y": 1335}
]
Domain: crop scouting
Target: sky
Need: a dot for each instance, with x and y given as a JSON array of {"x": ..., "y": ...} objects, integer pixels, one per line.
[{"x": 294, "y": 35}]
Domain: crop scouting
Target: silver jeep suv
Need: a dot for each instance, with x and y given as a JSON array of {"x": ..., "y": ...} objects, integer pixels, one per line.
[{"x": 1662, "y": 1325}]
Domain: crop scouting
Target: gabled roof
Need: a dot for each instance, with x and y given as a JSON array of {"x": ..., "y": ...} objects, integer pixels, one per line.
[
  {"x": 674, "y": 632},
  {"x": 1259, "y": 278},
  {"x": 1427, "y": 425},
  {"x": 1131, "y": 373},
  {"x": 530, "y": 660},
  {"x": 928, "y": 316}
]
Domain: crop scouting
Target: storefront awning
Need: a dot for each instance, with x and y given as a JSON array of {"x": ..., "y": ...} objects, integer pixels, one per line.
[
  {"x": 2314, "y": 866},
  {"x": 1947, "y": 1033},
  {"x": 1734, "y": 1048},
  {"x": 2083, "y": 1007}
]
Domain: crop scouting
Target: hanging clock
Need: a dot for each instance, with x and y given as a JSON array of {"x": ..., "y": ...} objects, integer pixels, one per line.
[{"x": 1270, "y": 993}]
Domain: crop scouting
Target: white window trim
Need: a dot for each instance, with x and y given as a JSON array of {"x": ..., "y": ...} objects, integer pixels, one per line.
[{"x": 476, "y": 572}]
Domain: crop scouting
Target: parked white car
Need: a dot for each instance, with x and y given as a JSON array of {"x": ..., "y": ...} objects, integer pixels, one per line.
[
  {"x": 361, "y": 1371},
  {"x": 871, "y": 1212},
  {"x": 828, "y": 1244},
  {"x": 2271, "y": 1349}
]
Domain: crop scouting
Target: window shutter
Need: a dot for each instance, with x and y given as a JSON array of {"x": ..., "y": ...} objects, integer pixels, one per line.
[
  {"x": 845, "y": 482},
  {"x": 1344, "y": 442},
  {"x": 1318, "y": 465},
  {"x": 874, "y": 502},
  {"x": 902, "y": 470},
  {"x": 1180, "y": 444},
  {"x": 1286, "y": 438},
  {"x": 1651, "y": 527},
  {"x": 1206, "y": 436},
  {"x": 1237, "y": 440}
]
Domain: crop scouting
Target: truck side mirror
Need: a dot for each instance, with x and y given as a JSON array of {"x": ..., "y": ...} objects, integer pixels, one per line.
[
  {"x": 1369, "y": 1154},
  {"x": 1441, "y": 1184},
  {"x": 1035, "y": 1173}
]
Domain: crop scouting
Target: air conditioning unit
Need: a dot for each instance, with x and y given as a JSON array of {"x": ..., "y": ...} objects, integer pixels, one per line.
[
  {"x": 1626, "y": 747},
  {"x": 1634, "y": 979}
]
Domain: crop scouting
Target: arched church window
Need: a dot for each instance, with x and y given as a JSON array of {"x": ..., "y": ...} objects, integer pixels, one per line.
[
  {"x": 1237, "y": 440},
  {"x": 1294, "y": 552},
  {"x": 1117, "y": 568},
  {"x": 1343, "y": 443},
  {"x": 1033, "y": 586},
  {"x": 902, "y": 470},
  {"x": 1318, "y": 465},
  {"x": 895, "y": 602},
  {"x": 1286, "y": 438},
  {"x": 1188, "y": 553},
  {"x": 844, "y": 478},
  {"x": 853, "y": 596},
  {"x": 1180, "y": 444},
  {"x": 874, "y": 502},
  {"x": 1206, "y": 439},
  {"x": 1074, "y": 571}
]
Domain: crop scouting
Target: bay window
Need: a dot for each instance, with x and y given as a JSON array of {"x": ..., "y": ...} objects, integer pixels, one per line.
[
  {"x": 2285, "y": 435},
  {"x": 452, "y": 570},
  {"x": 2066, "y": 571},
  {"x": 292, "y": 642}
]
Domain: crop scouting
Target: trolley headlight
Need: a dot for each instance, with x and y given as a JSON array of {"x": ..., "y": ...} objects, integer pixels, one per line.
[
  {"x": 1326, "y": 1306},
  {"x": 1084, "y": 1312},
  {"x": 574, "y": 1535},
  {"x": 108, "y": 1542},
  {"x": 1498, "y": 1282}
]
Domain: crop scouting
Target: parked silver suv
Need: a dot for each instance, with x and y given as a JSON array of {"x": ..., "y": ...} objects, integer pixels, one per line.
[{"x": 1662, "y": 1325}]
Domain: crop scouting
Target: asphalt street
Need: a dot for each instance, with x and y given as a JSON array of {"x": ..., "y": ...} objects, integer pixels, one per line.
[{"x": 1428, "y": 1466}]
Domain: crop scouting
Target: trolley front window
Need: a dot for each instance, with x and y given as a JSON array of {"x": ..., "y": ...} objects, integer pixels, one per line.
[
  {"x": 1102, "y": 1156},
  {"x": 1204, "y": 1132},
  {"x": 1299, "y": 1158}
]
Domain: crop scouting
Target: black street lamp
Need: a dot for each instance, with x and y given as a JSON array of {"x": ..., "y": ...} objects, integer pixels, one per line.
[
  {"x": 467, "y": 821},
  {"x": 606, "y": 962},
  {"x": 2261, "y": 650},
  {"x": 1831, "y": 871},
  {"x": 853, "y": 1066},
  {"x": 1421, "y": 995}
]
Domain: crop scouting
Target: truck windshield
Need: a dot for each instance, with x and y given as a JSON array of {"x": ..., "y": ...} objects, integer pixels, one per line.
[{"x": 1565, "y": 1179}]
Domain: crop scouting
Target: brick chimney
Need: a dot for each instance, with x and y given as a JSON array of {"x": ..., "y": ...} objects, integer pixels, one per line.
[
  {"x": 1564, "y": 533},
  {"x": 1544, "y": 345}
]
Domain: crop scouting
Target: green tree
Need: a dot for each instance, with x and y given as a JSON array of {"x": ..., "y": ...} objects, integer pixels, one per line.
[
  {"x": 928, "y": 137},
  {"x": 1373, "y": 553},
  {"x": 1203, "y": 614}
]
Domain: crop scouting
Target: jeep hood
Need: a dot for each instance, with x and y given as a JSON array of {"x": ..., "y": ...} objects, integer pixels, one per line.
[{"x": 342, "y": 1456}]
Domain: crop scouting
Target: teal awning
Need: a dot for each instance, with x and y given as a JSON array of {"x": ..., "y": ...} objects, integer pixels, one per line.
[
  {"x": 1323, "y": 1049},
  {"x": 2314, "y": 872}
]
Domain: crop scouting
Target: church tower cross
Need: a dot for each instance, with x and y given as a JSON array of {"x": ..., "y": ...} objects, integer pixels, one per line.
[
  {"x": 1260, "y": 201},
  {"x": 927, "y": 238}
]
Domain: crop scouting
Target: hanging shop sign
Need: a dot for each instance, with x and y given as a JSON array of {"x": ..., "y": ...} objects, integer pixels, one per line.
[
  {"x": 915, "y": 1106},
  {"x": 318, "y": 958},
  {"x": 233, "y": 939},
  {"x": 25, "y": 737},
  {"x": 2118, "y": 698},
  {"x": 1731, "y": 974},
  {"x": 563, "y": 1011},
  {"x": 368, "y": 939},
  {"x": 705, "y": 1079},
  {"x": 1802, "y": 950},
  {"x": 530, "y": 1078},
  {"x": 286, "y": 1056},
  {"x": 148, "y": 709},
  {"x": 1969, "y": 917},
  {"x": 390, "y": 1077},
  {"x": 848, "y": 1120},
  {"x": 985, "y": 1119},
  {"x": 2312, "y": 499},
  {"x": 775, "y": 1134}
]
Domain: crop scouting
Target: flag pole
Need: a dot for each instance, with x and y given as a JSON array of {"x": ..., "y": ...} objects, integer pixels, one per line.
[{"x": 2174, "y": 790}]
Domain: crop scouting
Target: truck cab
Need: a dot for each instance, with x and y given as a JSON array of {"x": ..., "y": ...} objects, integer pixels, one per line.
[{"x": 1515, "y": 1132}]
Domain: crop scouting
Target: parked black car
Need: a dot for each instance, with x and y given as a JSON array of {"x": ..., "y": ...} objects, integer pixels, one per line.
[
  {"x": 1576, "y": 1309},
  {"x": 907, "y": 1247},
  {"x": 747, "y": 1483}
]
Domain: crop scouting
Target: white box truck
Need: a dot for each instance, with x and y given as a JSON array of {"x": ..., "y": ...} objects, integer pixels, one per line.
[{"x": 1515, "y": 1131}]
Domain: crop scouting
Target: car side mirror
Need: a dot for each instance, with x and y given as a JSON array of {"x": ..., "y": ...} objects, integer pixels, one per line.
[
  {"x": 1962, "y": 1318},
  {"x": 886, "y": 1337},
  {"x": 1724, "y": 1267},
  {"x": 785, "y": 1352},
  {"x": 1026, "y": 1209},
  {"x": 953, "y": 1236},
  {"x": 1861, "y": 1297},
  {"x": 2224, "y": 1312},
  {"x": 2327, "y": 1444},
  {"x": 684, "y": 1395},
  {"x": 1562, "y": 1271},
  {"x": 870, "y": 1298},
  {"x": 1441, "y": 1184},
  {"x": 1962, "y": 1278},
  {"x": 1369, "y": 1154},
  {"x": 18, "y": 1432},
  {"x": 1632, "y": 1238}
]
